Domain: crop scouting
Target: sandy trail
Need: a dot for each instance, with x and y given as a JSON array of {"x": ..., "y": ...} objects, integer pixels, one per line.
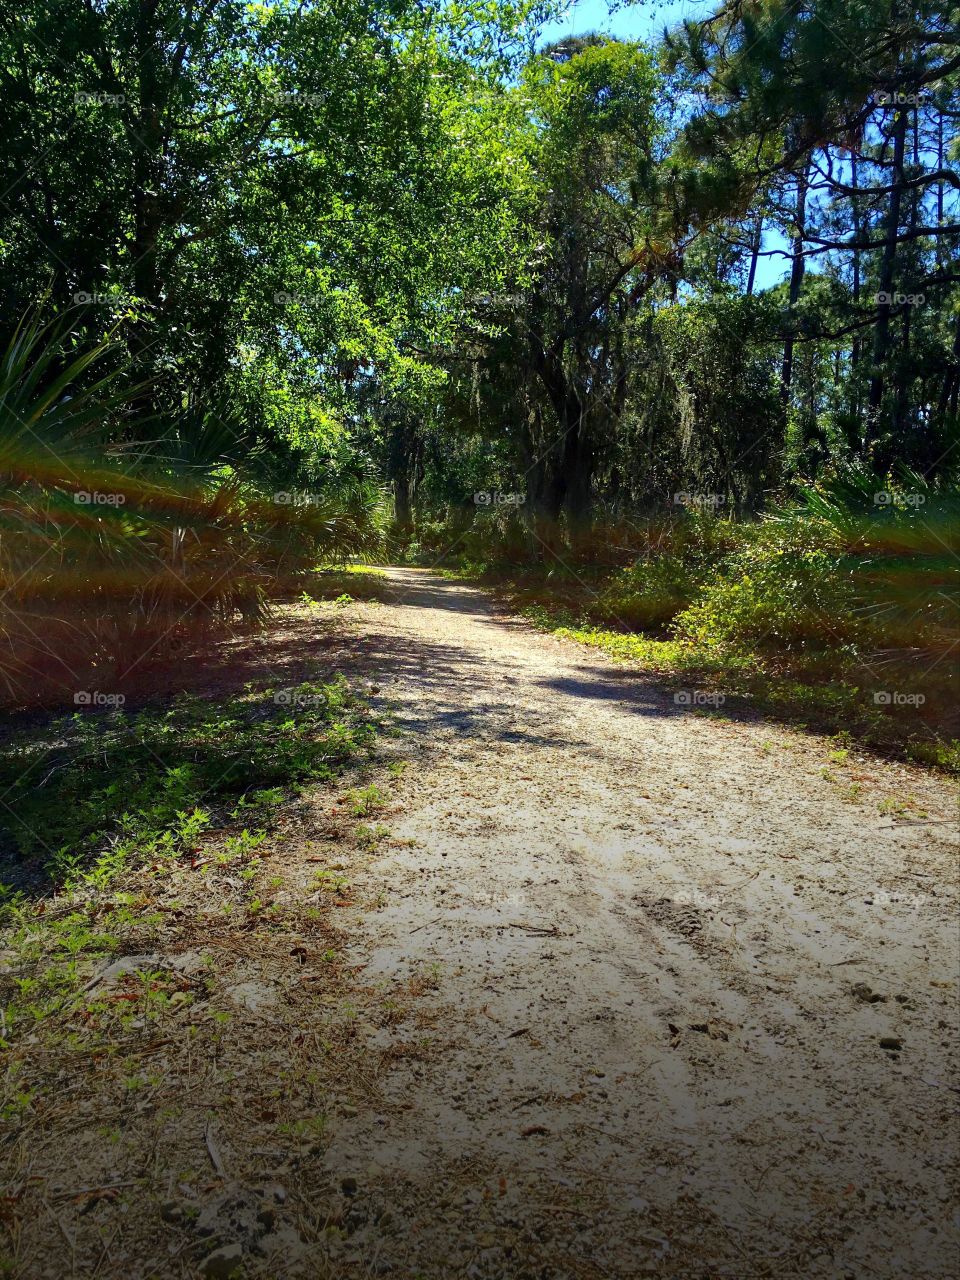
[{"x": 646, "y": 942}]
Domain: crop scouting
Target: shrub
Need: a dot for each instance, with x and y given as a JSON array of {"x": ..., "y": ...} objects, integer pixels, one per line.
[
  {"x": 110, "y": 549},
  {"x": 678, "y": 560},
  {"x": 784, "y": 588}
]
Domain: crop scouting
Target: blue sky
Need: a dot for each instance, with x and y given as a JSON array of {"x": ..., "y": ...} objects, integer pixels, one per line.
[
  {"x": 645, "y": 21},
  {"x": 641, "y": 21}
]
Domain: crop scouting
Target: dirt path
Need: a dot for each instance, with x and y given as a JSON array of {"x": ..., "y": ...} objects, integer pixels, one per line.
[
  {"x": 598, "y": 988},
  {"x": 659, "y": 957}
]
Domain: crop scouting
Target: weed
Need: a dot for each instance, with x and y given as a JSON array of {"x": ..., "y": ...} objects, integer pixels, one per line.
[
  {"x": 329, "y": 882},
  {"x": 366, "y": 801},
  {"x": 369, "y": 837},
  {"x": 304, "y": 1127},
  {"x": 893, "y": 806},
  {"x": 236, "y": 848}
]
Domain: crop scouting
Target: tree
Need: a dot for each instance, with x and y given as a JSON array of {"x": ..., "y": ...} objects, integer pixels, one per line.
[
  {"x": 549, "y": 354},
  {"x": 304, "y": 181},
  {"x": 828, "y": 95}
]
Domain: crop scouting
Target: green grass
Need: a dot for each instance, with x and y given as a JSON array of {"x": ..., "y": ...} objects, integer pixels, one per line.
[
  {"x": 467, "y": 570},
  {"x": 85, "y": 794},
  {"x": 106, "y": 809},
  {"x": 347, "y": 583},
  {"x": 664, "y": 656},
  {"x": 366, "y": 570}
]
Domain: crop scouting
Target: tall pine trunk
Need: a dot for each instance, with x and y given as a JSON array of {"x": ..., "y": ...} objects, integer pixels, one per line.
[
  {"x": 903, "y": 373},
  {"x": 888, "y": 264},
  {"x": 754, "y": 253},
  {"x": 797, "y": 269},
  {"x": 856, "y": 341}
]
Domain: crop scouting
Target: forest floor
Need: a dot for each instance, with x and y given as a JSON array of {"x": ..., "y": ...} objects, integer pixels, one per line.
[{"x": 621, "y": 990}]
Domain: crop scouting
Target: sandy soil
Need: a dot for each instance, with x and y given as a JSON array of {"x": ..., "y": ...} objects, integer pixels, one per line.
[
  {"x": 669, "y": 952},
  {"x": 607, "y": 989}
]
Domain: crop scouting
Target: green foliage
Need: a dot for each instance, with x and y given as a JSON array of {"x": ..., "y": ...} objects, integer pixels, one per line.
[
  {"x": 329, "y": 251},
  {"x": 90, "y": 792},
  {"x": 640, "y": 348},
  {"x": 679, "y": 560},
  {"x": 722, "y": 377},
  {"x": 782, "y": 589},
  {"x": 109, "y": 557},
  {"x": 366, "y": 800},
  {"x": 835, "y": 610},
  {"x": 246, "y": 222}
]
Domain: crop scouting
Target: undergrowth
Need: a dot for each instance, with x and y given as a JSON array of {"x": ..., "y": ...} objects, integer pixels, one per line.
[
  {"x": 86, "y": 793},
  {"x": 802, "y": 694},
  {"x": 96, "y": 807},
  {"x": 348, "y": 583}
]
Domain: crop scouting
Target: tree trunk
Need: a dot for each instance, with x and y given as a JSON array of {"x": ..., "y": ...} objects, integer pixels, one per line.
[
  {"x": 755, "y": 253},
  {"x": 951, "y": 381},
  {"x": 402, "y": 467},
  {"x": 797, "y": 270},
  {"x": 888, "y": 263},
  {"x": 579, "y": 487},
  {"x": 904, "y": 375},
  {"x": 855, "y": 220},
  {"x": 939, "y": 244},
  {"x": 402, "y": 509}
]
